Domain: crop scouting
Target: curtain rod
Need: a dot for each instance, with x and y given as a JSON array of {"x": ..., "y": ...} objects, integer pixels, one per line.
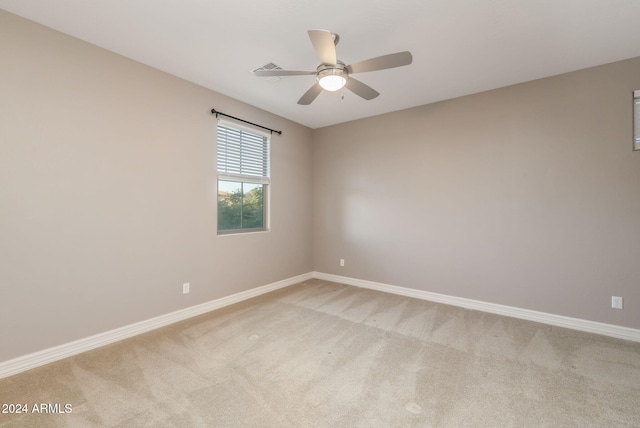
[{"x": 217, "y": 113}]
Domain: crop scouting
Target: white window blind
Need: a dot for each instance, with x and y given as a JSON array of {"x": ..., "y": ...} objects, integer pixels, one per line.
[
  {"x": 636, "y": 120},
  {"x": 242, "y": 155}
]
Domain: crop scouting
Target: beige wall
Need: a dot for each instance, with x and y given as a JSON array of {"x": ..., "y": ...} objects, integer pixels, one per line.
[
  {"x": 527, "y": 196},
  {"x": 107, "y": 193}
]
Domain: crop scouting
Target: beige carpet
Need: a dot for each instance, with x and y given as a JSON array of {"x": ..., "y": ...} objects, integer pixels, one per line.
[{"x": 321, "y": 354}]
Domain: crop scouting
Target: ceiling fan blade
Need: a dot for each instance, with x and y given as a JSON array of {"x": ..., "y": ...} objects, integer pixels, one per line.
[
  {"x": 382, "y": 62},
  {"x": 279, "y": 72},
  {"x": 310, "y": 95},
  {"x": 360, "y": 89},
  {"x": 322, "y": 41}
]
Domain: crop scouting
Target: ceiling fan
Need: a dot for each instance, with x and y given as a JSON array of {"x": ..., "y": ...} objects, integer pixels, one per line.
[{"x": 333, "y": 74}]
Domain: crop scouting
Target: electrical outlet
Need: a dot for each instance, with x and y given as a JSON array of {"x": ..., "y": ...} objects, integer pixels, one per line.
[
  {"x": 185, "y": 288},
  {"x": 341, "y": 262},
  {"x": 616, "y": 302}
]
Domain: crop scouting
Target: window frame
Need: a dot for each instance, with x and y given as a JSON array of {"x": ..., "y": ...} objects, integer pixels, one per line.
[{"x": 251, "y": 178}]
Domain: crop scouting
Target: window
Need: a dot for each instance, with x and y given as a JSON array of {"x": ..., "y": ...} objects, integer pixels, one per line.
[
  {"x": 243, "y": 179},
  {"x": 636, "y": 120}
]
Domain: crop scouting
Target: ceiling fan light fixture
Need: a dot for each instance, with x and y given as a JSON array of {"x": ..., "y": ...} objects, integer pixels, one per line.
[
  {"x": 332, "y": 79},
  {"x": 332, "y": 74}
]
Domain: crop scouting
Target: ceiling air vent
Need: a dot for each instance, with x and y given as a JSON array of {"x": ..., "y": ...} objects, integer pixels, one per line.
[{"x": 270, "y": 66}]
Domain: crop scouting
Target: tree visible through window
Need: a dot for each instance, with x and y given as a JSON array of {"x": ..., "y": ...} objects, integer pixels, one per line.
[
  {"x": 243, "y": 179},
  {"x": 240, "y": 205}
]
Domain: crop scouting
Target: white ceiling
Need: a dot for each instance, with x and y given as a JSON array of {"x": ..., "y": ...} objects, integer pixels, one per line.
[{"x": 459, "y": 46}]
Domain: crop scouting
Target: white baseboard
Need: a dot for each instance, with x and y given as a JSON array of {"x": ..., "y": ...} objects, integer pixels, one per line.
[
  {"x": 36, "y": 359},
  {"x": 525, "y": 314}
]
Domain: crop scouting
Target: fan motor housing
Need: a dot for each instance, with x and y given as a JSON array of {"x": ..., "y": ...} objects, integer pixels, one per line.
[{"x": 330, "y": 71}]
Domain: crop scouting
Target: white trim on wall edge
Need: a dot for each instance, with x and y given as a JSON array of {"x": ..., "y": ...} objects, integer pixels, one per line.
[
  {"x": 40, "y": 358},
  {"x": 525, "y": 314}
]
